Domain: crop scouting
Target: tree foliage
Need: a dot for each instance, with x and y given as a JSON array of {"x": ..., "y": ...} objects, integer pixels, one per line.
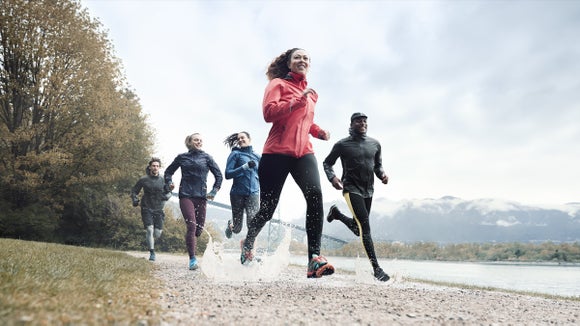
[{"x": 73, "y": 137}]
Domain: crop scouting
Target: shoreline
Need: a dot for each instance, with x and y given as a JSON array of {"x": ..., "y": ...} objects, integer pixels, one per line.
[{"x": 289, "y": 298}]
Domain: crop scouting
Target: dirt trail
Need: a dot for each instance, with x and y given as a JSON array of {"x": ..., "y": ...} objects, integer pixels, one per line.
[{"x": 244, "y": 297}]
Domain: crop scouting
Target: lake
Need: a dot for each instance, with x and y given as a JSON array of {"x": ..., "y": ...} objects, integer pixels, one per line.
[{"x": 563, "y": 280}]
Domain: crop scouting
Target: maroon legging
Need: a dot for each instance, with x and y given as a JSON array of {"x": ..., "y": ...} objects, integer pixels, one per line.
[{"x": 193, "y": 211}]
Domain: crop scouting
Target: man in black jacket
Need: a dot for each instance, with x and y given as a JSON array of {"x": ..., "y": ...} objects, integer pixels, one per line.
[
  {"x": 155, "y": 194},
  {"x": 361, "y": 161}
]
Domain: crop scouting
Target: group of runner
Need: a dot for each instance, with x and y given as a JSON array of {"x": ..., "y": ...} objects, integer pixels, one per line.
[{"x": 258, "y": 180}]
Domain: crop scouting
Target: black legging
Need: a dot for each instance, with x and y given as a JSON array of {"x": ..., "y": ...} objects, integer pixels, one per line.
[
  {"x": 360, "y": 208},
  {"x": 273, "y": 170}
]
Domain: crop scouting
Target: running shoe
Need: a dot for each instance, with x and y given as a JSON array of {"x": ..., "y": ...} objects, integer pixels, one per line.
[
  {"x": 332, "y": 213},
  {"x": 381, "y": 275},
  {"x": 318, "y": 267},
  {"x": 247, "y": 254},
  {"x": 229, "y": 230},
  {"x": 193, "y": 264},
  {"x": 152, "y": 255}
]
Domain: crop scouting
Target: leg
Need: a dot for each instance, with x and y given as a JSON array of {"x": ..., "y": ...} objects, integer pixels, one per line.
[
  {"x": 360, "y": 208},
  {"x": 237, "y": 202},
  {"x": 147, "y": 218},
  {"x": 149, "y": 236},
  {"x": 188, "y": 212},
  {"x": 252, "y": 205},
  {"x": 158, "y": 219},
  {"x": 158, "y": 222},
  {"x": 200, "y": 205},
  {"x": 335, "y": 214},
  {"x": 272, "y": 172},
  {"x": 305, "y": 173}
]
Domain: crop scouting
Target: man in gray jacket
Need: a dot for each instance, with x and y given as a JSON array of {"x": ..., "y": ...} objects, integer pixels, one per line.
[
  {"x": 155, "y": 194},
  {"x": 361, "y": 160}
]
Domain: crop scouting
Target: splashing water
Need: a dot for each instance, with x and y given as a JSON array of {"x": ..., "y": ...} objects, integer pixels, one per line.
[
  {"x": 222, "y": 267},
  {"x": 363, "y": 271}
]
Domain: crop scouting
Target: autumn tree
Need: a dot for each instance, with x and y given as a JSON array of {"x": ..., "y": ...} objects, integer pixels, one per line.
[{"x": 73, "y": 136}]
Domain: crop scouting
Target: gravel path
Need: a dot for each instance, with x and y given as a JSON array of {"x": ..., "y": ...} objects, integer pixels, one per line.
[{"x": 222, "y": 292}]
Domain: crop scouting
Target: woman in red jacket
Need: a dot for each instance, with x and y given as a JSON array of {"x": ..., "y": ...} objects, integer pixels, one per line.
[{"x": 289, "y": 105}]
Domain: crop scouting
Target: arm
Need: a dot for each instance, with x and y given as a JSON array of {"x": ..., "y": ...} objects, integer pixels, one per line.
[
  {"x": 169, "y": 171},
  {"x": 231, "y": 170},
  {"x": 328, "y": 163},
  {"x": 167, "y": 192},
  {"x": 215, "y": 170},
  {"x": 279, "y": 102},
  {"x": 318, "y": 132},
  {"x": 378, "y": 169},
  {"x": 135, "y": 193}
]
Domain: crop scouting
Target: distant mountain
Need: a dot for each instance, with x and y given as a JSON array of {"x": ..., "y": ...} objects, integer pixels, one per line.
[
  {"x": 453, "y": 220},
  {"x": 449, "y": 220}
]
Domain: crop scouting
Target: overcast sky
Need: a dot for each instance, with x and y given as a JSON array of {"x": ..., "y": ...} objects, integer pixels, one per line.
[{"x": 473, "y": 99}]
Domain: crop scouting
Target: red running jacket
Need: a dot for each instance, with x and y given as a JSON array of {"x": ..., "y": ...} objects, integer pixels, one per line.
[{"x": 292, "y": 116}]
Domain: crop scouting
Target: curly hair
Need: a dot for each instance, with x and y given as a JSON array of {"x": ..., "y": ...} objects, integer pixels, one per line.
[
  {"x": 231, "y": 141},
  {"x": 279, "y": 66}
]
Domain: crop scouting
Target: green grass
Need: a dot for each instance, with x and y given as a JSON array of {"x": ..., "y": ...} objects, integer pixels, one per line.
[{"x": 46, "y": 284}]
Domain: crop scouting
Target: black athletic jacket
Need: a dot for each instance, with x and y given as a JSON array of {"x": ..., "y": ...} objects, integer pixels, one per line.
[
  {"x": 361, "y": 158},
  {"x": 195, "y": 166},
  {"x": 154, "y": 195}
]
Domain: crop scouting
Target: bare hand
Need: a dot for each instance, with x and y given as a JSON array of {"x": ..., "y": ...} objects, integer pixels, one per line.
[
  {"x": 324, "y": 134},
  {"x": 307, "y": 91},
  {"x": 336, "y": 183},
  {"x": 385, "y": 179}
]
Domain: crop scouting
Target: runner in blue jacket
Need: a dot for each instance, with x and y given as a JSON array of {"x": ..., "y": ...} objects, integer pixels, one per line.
[{"x": 242, "y": 167}]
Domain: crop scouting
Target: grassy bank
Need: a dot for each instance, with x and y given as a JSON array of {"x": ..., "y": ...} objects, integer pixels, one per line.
[{"x": 43, "y": 283}]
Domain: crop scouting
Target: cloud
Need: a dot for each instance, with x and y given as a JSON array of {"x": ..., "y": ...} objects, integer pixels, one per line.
[{"x": 474, "y": 99}]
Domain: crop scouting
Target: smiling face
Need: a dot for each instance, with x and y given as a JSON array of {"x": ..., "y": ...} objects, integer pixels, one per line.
[
  {"x": 299, "y": 62},
  {"x": 359, "y": 125},
  {"x": 244, "y": 140},
  {"x": 195, "y": 141}
]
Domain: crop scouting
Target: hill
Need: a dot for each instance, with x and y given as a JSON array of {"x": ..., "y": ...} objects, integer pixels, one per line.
[
  {"x": 450, "y": 220},
  {"x": 454, "y": 220}
]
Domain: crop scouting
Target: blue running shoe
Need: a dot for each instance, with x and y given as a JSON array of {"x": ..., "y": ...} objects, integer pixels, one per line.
[
  {"x": 152, "y": 255},
  {"x": 193, "y": 264}
]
